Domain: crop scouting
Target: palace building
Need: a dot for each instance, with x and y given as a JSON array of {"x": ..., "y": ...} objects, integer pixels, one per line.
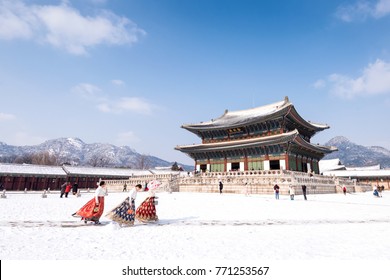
[{"x": 269, "y": 137}]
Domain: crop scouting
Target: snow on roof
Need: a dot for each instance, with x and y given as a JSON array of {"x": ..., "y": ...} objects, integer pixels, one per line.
[
  {"x": 374, "y": 167},
  {"x": 31, "y": 169},
  {"x": 98, "y": 171},
  {"x": 359, "y": 173},
  {"x": 330, "y": 164},
  {"x": 76, "y": 170},
  {"x": 242, "y": 116},
  {"x": 333, "y": 167}
]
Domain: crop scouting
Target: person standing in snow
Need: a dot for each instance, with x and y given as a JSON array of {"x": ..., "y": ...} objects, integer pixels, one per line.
[
  {"x": 220, "y": 186},
  {"x": 291, "y": 190},
  {"x": 344, "y": 190},
  {"x": 75, "y": 188},
  {"x": 304, "y": 191},
  {"x": 276, "y": 189},
  {"x": 124, "y": 213},
  {"x": 246, "y": 184},
  {"x": 63, "y": 187},
  {"x": 68, "y": 189}
]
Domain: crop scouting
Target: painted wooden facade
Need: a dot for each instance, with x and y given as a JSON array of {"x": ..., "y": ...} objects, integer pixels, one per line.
[{"x": 18, "y": 177}]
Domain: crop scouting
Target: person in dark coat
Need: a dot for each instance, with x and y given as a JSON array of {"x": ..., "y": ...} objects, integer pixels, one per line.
[
  {"x": 276, "y": 189},
  {"x": 75, "y": 188},
  {"x": 304, "y": 191},
  {"x": 220, "y": 187},
  {"x": 63, "y": 187}
]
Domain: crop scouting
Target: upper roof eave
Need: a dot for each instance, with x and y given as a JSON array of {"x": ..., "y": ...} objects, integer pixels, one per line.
[
  {"x": 293, "y": 137},
  {"x": 238, "y": 118},
  {"x": 243, "y": 117}
]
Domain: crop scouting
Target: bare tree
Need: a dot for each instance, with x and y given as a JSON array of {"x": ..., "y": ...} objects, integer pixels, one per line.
[
  {"x": 8, "y": 159},
  {"x": 26, "y": 158},
  {"x": 142, "y": 162},
  {"x": 99, "y": 161},
  {"x": 44, "y": 158}
]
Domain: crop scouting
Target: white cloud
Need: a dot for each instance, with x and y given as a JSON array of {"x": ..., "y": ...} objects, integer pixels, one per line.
[
  {"x": 374, "y": 80},
  {"x": 126, "y": 104},
  {"x": 362, "y": 10},
  {"x": 382, "y": 8},
  {"x": 319, "y": 84},
  {"x": 64, "y": 27},
  {"x": 6, "y": 117},
  {"x": 112, "y": 104},
  {"x": 117, "y": 82},
  {"x": 87, "y": 91}
]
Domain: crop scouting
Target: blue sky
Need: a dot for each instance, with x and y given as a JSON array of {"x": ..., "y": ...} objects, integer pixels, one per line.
[{"x": 131, "y": 72}]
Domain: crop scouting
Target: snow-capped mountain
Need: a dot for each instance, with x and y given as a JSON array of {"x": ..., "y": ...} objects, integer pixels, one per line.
[
  {"x": 74, "y": 151},
  {"x": 354, "y": 155}
]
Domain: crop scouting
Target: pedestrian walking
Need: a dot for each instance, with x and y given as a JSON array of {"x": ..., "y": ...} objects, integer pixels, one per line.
[
  {"x": 304, "y": 191},
  {"x": 276, "y": 189},
  {"x": 75, "y": 188},
  {"x": 63, "y": 188},
  {"x": 124, "y": 213},
  {"x": 93, "y": 209},
  {"x": 344, "y": 190},
  {"x": 68, "y": 188},
  {"x": 292, "y": 192}
]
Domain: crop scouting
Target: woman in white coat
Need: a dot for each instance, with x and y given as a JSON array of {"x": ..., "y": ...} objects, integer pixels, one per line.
[{"x": 291, "y": 190}]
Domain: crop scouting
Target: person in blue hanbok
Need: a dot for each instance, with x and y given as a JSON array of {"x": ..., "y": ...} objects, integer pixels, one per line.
[{"x": 124, "y": 213}]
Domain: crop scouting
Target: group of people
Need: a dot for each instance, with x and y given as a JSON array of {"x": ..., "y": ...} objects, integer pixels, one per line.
[
  {"x": 291, "y": 191},
  {"x": 125, "y": 212},
  {"x": 378, "y": 191},
  {"x": 67, "y": 187}
]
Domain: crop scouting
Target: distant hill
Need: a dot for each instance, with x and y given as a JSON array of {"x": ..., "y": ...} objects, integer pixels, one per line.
[
  {"x": 354, "y": 155},
  {"x": 74, "y": 151}
]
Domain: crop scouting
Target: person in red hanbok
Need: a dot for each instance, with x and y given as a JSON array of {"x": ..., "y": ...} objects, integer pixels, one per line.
[
  {"x": 93, "y": 209},
  {"x": 146, "y": 212}
]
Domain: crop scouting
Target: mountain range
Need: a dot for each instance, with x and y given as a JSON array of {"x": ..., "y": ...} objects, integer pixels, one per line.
[
  {"x": 74, "y": 151},
  {"x": 354, "y": 155}
]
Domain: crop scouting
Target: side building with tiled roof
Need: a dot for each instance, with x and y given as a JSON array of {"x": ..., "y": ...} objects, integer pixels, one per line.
[{"x": 42, "y": 177}]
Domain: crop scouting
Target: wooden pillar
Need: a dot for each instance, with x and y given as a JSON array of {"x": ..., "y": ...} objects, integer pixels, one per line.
[
  {"x": 20, "y": 182},
  {"x": 287, "y": 161}
]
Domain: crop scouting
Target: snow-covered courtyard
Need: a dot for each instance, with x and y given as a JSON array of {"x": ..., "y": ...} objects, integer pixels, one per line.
[{"x": 201, "y": 226}]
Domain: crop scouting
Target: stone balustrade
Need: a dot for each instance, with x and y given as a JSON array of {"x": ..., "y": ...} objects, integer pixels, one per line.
[
  {"x": 169, "y": 182},
  {"x": 258, "y": 182}
]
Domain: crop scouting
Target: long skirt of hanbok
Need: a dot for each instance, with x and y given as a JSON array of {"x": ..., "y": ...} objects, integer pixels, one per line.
[
  {"x": 90, "y": 211},
  {"x": 146, "y": 212},
  {"x": 124, "y": 213}
]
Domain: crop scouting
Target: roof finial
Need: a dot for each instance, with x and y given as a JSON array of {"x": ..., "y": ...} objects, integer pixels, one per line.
[{"x": 286, "y": 99}]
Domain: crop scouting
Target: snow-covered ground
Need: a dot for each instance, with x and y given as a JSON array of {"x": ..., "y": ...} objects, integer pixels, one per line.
[{"x": 200, "y": 226}]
